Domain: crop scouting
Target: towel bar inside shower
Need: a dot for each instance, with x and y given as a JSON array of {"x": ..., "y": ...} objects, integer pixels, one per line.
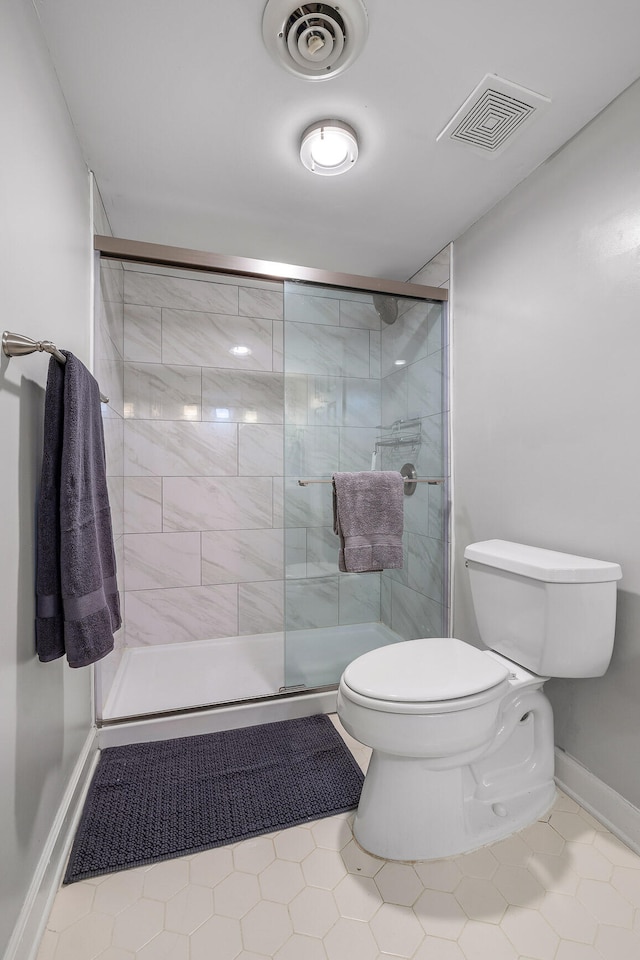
[
  {"x": 432, "y": 480},
  {"x": 17, "y": 345}
]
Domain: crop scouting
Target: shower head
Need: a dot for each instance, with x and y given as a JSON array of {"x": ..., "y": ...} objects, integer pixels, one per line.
[{"x": 386, "y": 308}]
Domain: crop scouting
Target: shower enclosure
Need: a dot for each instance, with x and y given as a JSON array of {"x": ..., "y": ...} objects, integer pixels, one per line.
[{"x": 234, "y": 399}]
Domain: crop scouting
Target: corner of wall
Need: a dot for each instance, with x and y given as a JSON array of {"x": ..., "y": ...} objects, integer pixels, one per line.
[{"x": 37, "y": 904}]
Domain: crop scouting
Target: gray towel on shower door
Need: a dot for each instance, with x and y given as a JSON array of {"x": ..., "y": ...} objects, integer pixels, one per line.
[
  {"x": 368, "y": 518},
  {"x": 77, "y": 602}
]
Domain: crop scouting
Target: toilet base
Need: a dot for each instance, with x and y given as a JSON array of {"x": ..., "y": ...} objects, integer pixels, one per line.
[
  {"x": 418, "y": 808},
  {"x": 409, "y": 812}
]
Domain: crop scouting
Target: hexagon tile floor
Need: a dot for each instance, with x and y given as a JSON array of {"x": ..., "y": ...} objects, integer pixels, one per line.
[{"x": 563, "y": 889}]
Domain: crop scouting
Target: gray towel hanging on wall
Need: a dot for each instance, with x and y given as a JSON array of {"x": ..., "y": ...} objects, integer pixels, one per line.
[{"x": 78, "y": 606}]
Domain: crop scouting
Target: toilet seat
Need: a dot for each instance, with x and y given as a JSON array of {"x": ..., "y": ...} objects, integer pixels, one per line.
[{"x": 434, "y": 675}]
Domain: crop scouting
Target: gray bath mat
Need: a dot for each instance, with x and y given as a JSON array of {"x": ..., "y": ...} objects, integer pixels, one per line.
[{"x": 154, "y": 801}]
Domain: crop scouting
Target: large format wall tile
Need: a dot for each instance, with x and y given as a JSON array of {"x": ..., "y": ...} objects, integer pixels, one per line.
[
  {"x": 436, "y": 512},
  {"x": 357, "y": 446},
  {"x": 354, "y": 313},
  {"x": 436, "y": 329},
  {"x": 161, "y": 560},
  {"x": 260, "y": 607},
  {"x": 311, "y": 451},
  {"x": 311, "y": 603},
  {"x": 159, "y": 290},
  {"x": 385, "y": 598},
  {"x": 336, "y": 351},
  {"x": 342, "y": 401},
  {"x": 310, "y": 506},
  {"x": 204, "y": 503},
  {"x": 395, "y": 397},
  {"x": 181, "y": 614},
  {"x": 428, "y": 460},
  {"x": 143, "y": 504},
  {"x": 359, "y": 597},
  {"x": 413, "y": 615},
  {"x": 277, "y": 500},
  {"x": 142, "y": 333},
  {"x": 154, "y": 391},
  {"x": 234, "y": 395},
  {"x": 206, "y": 339},
  {"x": 260, "y": 449},
  {"x": 424, "y": 385},
  {"x": 180, "y": 448},
  {"x": 401, "y": 574},
  {"x": 277, "y": 334},
  {"x": 110, "y": 333},
  {"x": 115, "y": 492},
  {"x": 416, "y": 510},
  {"x": 206, "y": 542},
  {"x": 233, "y": 556},
  {"x": 113, "y": 439},
  {"x": 375, "y": 350},
  {"x": 110, "y": 376},
  {"x": 296, "y": 398},
  {"x": 304, "y": 308},
  {"x": 406, "y": 339},
  {"x": 111, "y": 281},
  {"x": 295, "y": 551},
  {"x": 425, "y": 562},
  {"x": 322, "y": 551},
  {"x": 254, "y": 302}
]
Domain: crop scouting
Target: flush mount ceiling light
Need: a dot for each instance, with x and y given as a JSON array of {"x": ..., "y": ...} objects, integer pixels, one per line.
[
  {"x": 315, "y": 41},
  {"x": 329, "y": 147}
]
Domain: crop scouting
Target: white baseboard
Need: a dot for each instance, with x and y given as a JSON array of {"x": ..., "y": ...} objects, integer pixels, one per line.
[
  {"x": 607, "y": 806},
  {"x": 32, "y": 920},
  {"x": 218, "y": 718}
]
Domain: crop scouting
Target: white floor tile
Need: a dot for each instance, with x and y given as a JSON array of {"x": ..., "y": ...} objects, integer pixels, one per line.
[{"x": 562, "y": 889}]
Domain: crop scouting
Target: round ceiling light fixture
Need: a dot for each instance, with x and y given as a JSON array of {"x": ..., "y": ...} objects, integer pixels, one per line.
[
  {"x": 315, "y": 41},
  {"x": 329, "y": 147}
]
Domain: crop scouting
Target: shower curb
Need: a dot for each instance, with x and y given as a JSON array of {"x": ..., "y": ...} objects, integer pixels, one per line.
[{"x": 193, "y": 723}]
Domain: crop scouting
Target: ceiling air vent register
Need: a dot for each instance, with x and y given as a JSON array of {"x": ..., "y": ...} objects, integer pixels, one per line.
[
  {"x": 315, "y": 41},
  {"x": 494, "y": 112}
]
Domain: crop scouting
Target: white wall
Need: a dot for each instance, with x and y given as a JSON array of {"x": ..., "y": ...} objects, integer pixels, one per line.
[
  {"x": 546, "y": 399},
  {"x": 45, "y": 261}
]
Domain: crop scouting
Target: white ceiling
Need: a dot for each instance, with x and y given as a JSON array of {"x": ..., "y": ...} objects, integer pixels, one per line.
[{"x": 192, "y": 129}]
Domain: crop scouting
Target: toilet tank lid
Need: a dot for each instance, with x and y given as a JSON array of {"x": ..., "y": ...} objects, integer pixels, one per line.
[{"x": 539, "y": 564}]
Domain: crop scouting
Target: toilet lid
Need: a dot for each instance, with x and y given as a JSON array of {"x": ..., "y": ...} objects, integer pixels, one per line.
[{"x": 413, "y": 671}]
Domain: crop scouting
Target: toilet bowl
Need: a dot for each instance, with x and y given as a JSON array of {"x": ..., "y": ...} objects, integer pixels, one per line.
[
  {"x": 462, "y": 738},
  {"x": 441, "y": 779}
]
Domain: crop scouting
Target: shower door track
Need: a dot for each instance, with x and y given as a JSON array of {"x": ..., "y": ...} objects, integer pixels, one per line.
[
  {"x": 115, "y": 248},
  {"x": 220, "y": 707}
]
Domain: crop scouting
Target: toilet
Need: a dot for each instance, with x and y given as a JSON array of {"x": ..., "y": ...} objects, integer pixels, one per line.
[{"x": 462, "y": 738}]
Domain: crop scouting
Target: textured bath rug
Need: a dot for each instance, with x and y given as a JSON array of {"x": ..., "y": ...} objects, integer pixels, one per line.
[{"x": 154, "y": 801}]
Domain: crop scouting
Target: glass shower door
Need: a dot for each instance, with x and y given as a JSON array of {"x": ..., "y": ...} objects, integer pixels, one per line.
[{"x": 363, "y": 390}]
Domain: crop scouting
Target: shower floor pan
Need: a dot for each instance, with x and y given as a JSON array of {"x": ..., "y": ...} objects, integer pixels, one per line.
[{"x": 180, "y": 676}]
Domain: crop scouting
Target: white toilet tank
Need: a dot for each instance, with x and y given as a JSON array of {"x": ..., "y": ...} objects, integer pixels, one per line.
[{"x": 553, "y": 613}]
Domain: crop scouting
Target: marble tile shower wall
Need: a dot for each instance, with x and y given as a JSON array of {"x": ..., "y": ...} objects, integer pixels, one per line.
[
  {"x": 206, "y": 500},
  {"x": 332, "y": 409},
  {"x": 412, "y": 386},
  {"x": 203, "y": 441}
]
